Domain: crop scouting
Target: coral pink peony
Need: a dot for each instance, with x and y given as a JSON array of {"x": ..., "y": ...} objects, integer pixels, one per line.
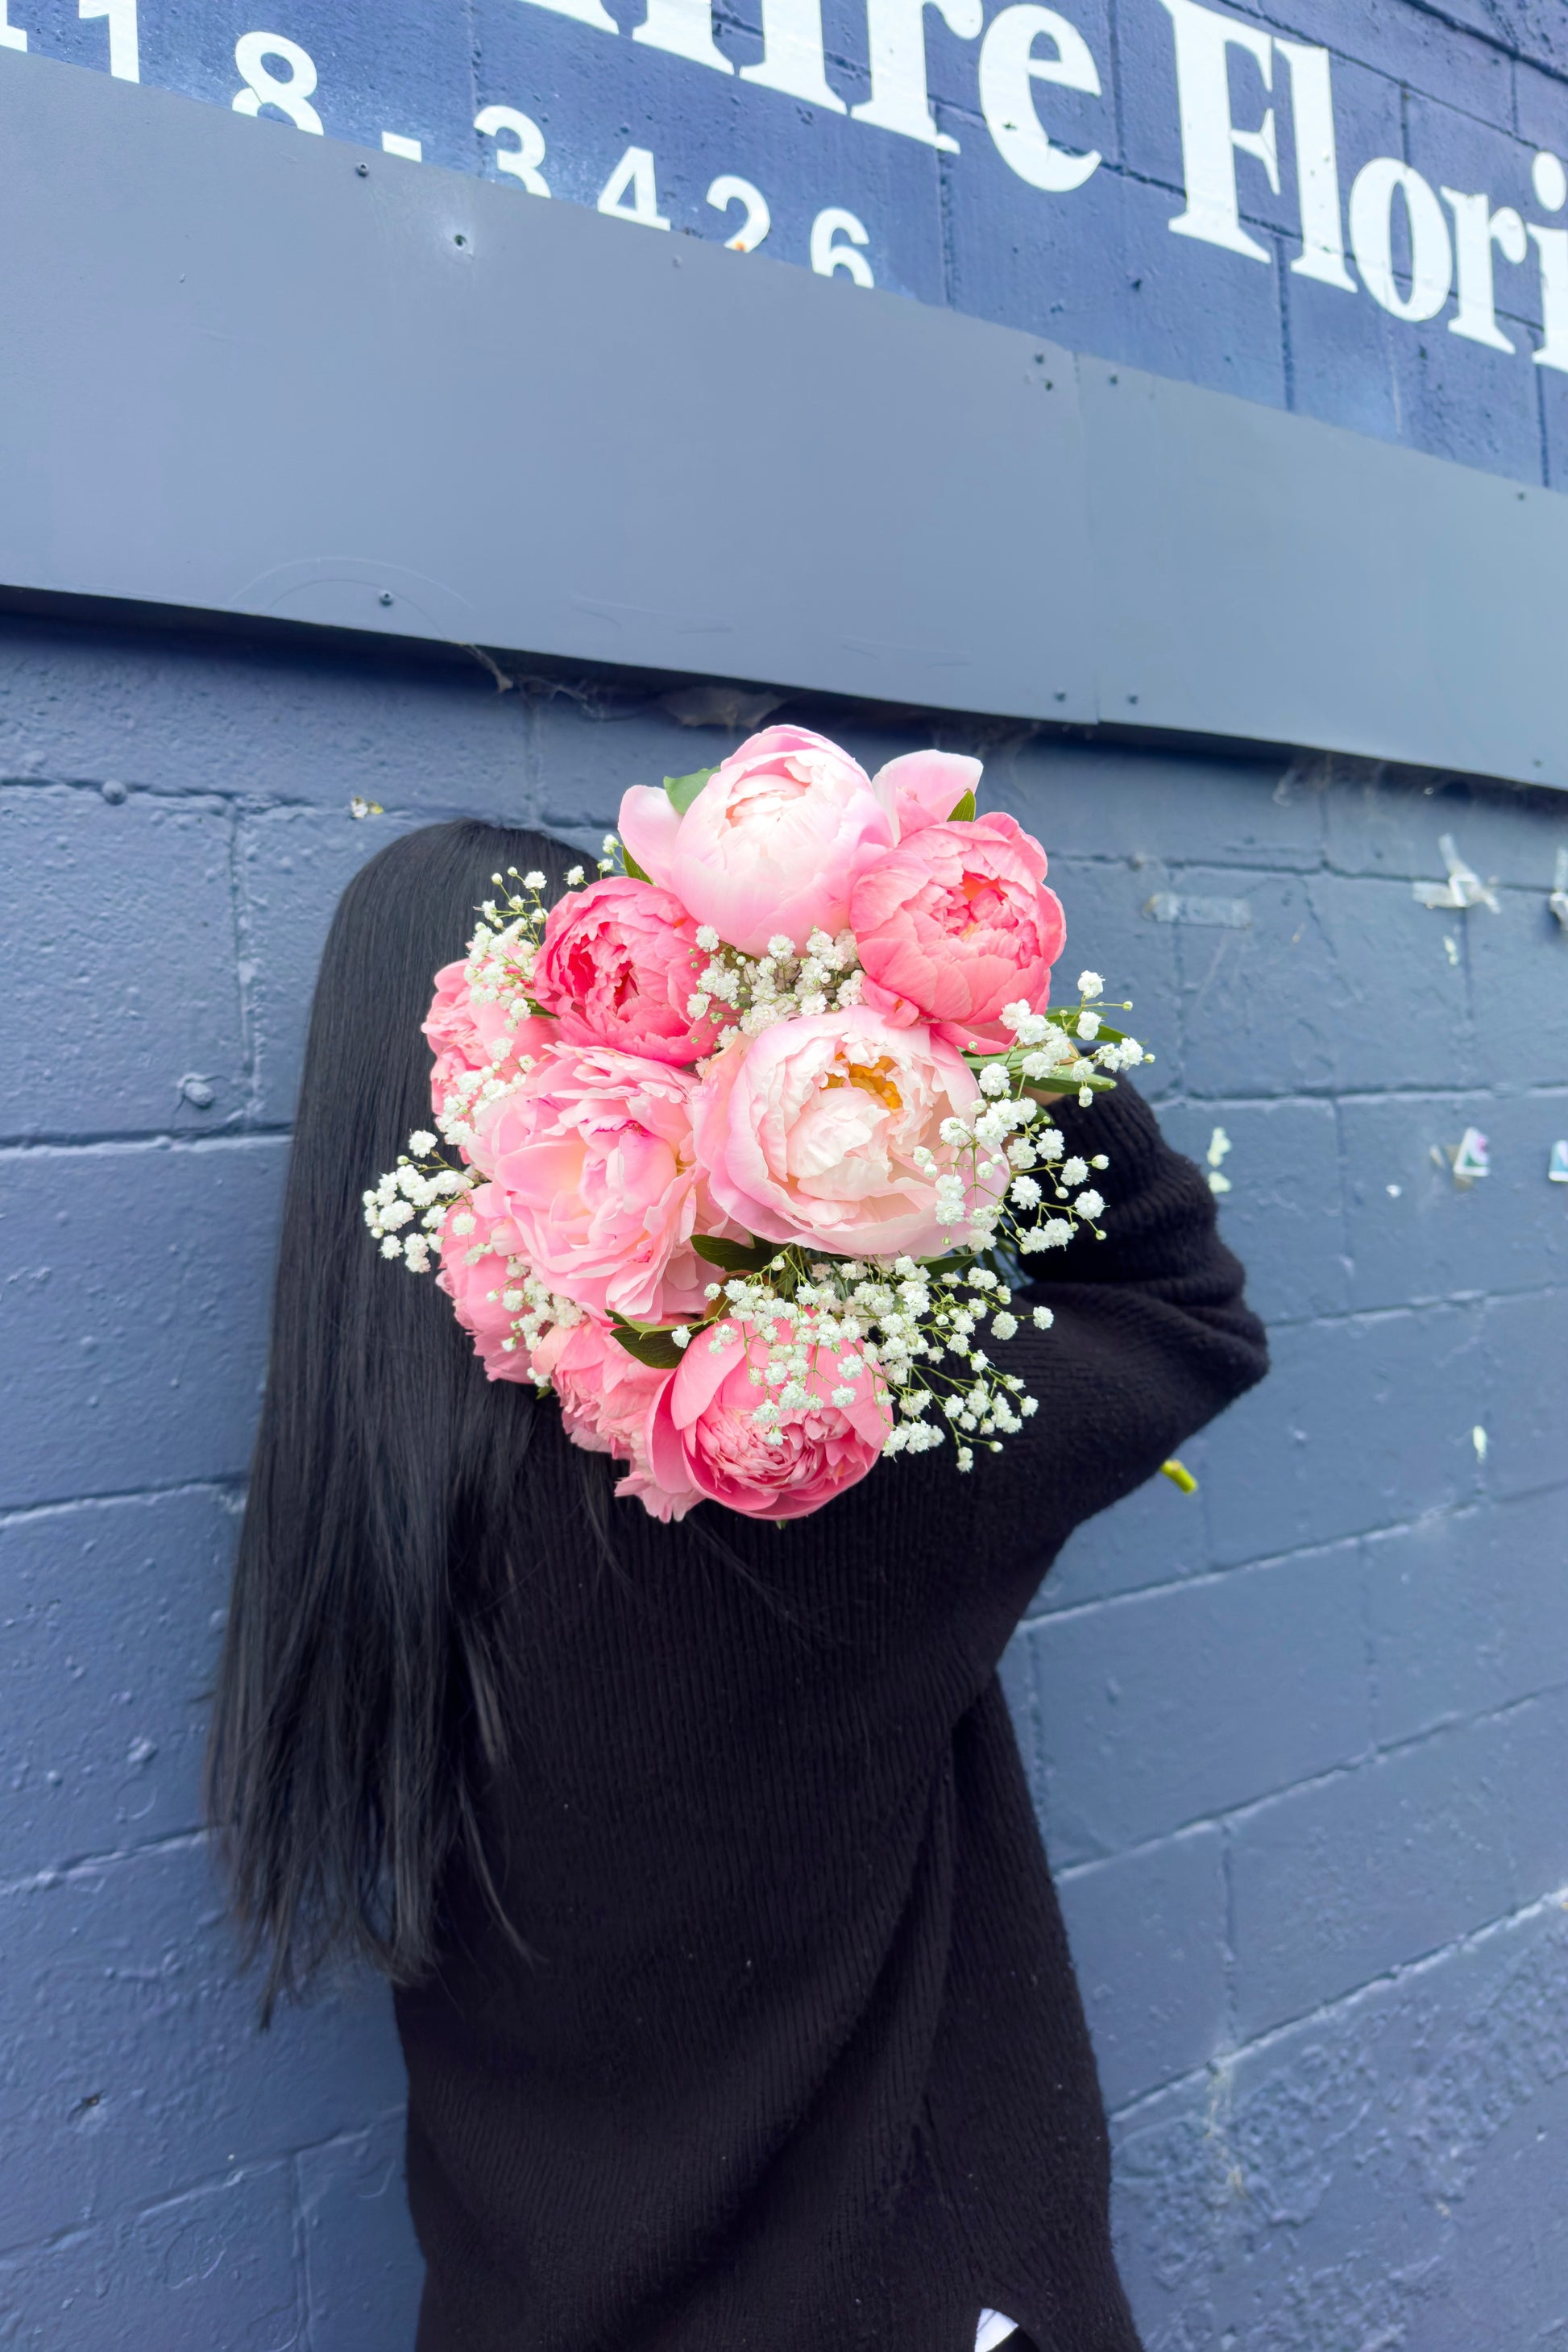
[
  {"x": 465, "y": 1032},
  {"x": 606, "y": 1398},
  {"x": 591, "y": 1155},
  {"x": 956, "y": 923},
  {"x": 924, "y": 788},
  {"x": 702, "y": 1434},
  {"x": 618, "y": 963},
  {"x": 475, "y": 1243},
  {"x": 772, "y": 844},
  {"x": 810, "y": 1132}
]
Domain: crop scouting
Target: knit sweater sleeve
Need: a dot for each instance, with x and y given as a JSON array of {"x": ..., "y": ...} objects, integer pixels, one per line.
[{"x": 1151, "y": 1336}]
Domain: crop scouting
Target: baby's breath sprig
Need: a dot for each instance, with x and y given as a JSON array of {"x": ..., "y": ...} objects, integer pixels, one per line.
[
  {"x": 780, "y": 985},
  {"x": 420, "y": 1192}
]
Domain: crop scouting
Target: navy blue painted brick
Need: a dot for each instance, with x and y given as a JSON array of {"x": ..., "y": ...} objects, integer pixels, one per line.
[
  {"x": 1466, "y": 1611},
  {"x": 130, "y": 2063},
  {"x": 116, "y": 959},
  {"x": 1334, "y": 1442},
  {"x": 1148, "y": 1935},
  {"x": 1405, "y": 41},
  {"x": 1153, "y": 1536},
  {"x": 1431, "y": 1239},
  {"x": 1386, "y": 2172},
  {"x": 1283, "y": 1213},
  {"x": 363, "y": 2268},
  {"x": 1162, "y": 1708},
  {"x": 108, "y": 1617},
  {"x": 1335, "y": 1883},
  {"x": 213, "y": 2266},
  {"x": 136, "y": 1291},
  {"x": 1143, "y": 808},
  {"x": 1375, "y": 824}
]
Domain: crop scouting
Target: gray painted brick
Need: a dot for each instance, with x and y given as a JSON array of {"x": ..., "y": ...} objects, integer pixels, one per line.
[
  {"x": 1110, "y": 801},
  {"x": 1326, "y": 1448},
  {"x": 1335, "y": 1883},
  {"x": 1466, "y": 1611},
  {"x": 1167, "y": 1707},
  {"x": 108, "y": 1618},
  {"x": 136, "y": 1294},
  {"x": 363, "y": 2267},
  {"x": 130, "y": 2063},
  {"x": 1153, "y": 1536},
  {"x": 117, "y": 960},
  {"x": 1148, "y": 1935}
]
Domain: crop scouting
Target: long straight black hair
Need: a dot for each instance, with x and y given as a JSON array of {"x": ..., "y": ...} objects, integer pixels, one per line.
[{"x": 359, "y": 1707}]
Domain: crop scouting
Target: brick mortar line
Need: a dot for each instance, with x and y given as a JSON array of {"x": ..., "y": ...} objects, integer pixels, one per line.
[
  {"x": 1540, "y": 1907},
  {"x": 19, "y": 1513}
]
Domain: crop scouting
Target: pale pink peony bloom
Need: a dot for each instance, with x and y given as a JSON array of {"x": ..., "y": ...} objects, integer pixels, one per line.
[
  {"x": 810, "y": 1132},
  {"x": 772, "y": 844},
  {"x": 606, "y": 1398},
  {"x": 924, "y": 788},
  {"x": 618, "y": 963},
  {"x": 591, "y": 1155},
  {"x": 473, "y": 1267},
  {"x": 956, "y": 923},
  {"x": 701, "y": 1434},
  {"x": 464, "y": 1032}
]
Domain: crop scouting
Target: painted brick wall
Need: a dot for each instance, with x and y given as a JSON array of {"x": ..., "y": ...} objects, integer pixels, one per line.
[{"x": 1298, "y": 1743}]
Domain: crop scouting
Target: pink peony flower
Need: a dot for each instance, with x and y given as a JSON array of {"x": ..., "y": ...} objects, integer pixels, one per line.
[
  {"x": 618, "y": 963},
  {"x": 591, "y": 1155},
  {"x": 701, "y": 1434},
  {"x": 606, "y": 1398},
  {"x": 772, "y": 844},
  {"x": 956, "y": 923},
  {"x": 924, "y": 788},
  {"x": 811, "y": 1130},
  {"x": 474, "y": 1257},
  {"x": 464, "y": 1034}
]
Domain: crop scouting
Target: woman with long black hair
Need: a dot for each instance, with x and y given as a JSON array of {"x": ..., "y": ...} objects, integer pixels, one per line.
[{"x": 736, "y": 2004}]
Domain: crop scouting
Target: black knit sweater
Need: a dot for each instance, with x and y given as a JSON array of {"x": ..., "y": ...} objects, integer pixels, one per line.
[{"x": 799, "y": 2064}]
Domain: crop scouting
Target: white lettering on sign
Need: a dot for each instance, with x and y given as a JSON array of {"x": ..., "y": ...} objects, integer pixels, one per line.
[
  {"x": 897, "y": 30},
  {"x": 1414, "y": 245},
  {"x": 634, "y": 172},
  {"x": 1323, "y": 254},
  {"x": 523, "y": 162},
  {"x": 1210, "y": 140},
  {"x": 684, "y": 27},
  {"x": 1477, "y": 229},
  {"x": 262, "y": 88},
  {"x": 12, "y": 37},
  {"x": 125, "y": 50},
  {"x": 727, "y": 190},
  {"x": 1007, "y": 67},
  {"x": 791, "y": 59},
  {"x": 828, "y": 255},
  {"x": 1372, "y": 239}
]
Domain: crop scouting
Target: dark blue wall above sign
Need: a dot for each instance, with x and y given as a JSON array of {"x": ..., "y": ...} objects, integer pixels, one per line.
[{"x": 1337, "y": 207}]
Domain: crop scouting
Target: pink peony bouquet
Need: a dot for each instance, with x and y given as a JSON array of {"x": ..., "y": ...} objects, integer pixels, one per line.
[{"x": 741, "y": 1145}]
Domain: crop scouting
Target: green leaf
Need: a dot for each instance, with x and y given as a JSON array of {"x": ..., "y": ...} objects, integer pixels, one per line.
[
  {"x": 735, "y": 1257},
  {"x": 1058, "y": 1085},
  {"x": 964, "y": 812},
  {"x": 654, "y": 1348},
  {"x": 632, "y": 868},
  {"x": 683, "y": 790}
]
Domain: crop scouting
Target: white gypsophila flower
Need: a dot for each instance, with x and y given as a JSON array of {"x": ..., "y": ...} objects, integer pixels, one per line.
[
  {"x": 954, "y": 1132},
  {"x": 780, "y": 946},
  {"x": 993, "y": 1079},
  {"x": 1089, "y": 983},
  {"x": 707, "y": 938},
  {"x": 1089, "y": 1024},
  {"x": 1024, "y": 1192},
  {"x": 533, "y": 881},
  {"x": 422, "y": 1143},
  {"x": 575, "y": 877},
  {"x": 1089, "y": 1205},
  {"x": 1085, "y": 1098},
  {"x": 1052, "y": 1144},
  {"x": 1041, "y": 1318},
  {"x": 1074, "y": 1171},
  {"x": 1100, "y": 1160}
]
